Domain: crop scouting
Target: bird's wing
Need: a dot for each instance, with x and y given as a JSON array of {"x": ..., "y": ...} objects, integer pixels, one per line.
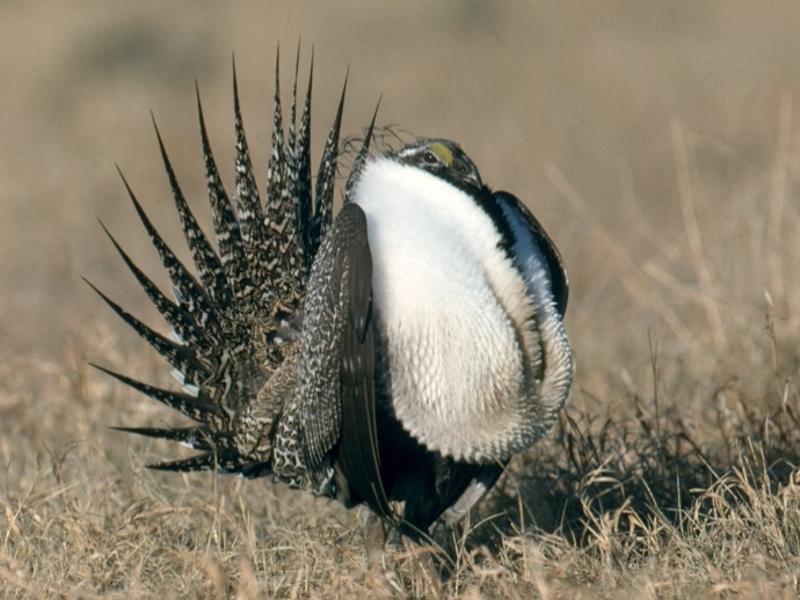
[
  {"x": 555, "y": 265},
  {"x": 337, "y": 373}
]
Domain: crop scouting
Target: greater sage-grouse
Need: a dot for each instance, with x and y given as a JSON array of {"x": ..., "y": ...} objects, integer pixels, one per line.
[{"x": 398, "y": 355}]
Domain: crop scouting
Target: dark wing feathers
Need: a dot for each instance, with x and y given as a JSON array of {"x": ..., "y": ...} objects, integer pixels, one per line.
[
  {"x": 555, "y": 265},
  {"x": 359, "y": 455},
  {"x": 337, "y": 407}
]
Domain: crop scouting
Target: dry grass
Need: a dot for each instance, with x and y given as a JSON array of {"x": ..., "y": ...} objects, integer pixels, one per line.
[{"x": 660, "y": 147}]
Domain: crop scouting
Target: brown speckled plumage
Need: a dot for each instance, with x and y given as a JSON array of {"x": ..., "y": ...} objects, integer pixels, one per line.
[{"x": 283, "y": 358}]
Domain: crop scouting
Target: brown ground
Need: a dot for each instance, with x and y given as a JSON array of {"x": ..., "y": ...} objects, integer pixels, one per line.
[{"x": 658, "y": 142}]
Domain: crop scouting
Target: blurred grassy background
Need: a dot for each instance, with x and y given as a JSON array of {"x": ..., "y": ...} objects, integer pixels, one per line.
[
  {"x": 591, "y": 88},
  {"x": 656, "y": 141}
]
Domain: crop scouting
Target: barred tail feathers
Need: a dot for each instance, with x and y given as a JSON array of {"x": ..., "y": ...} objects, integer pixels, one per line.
[{"x": 235, "y": 325}]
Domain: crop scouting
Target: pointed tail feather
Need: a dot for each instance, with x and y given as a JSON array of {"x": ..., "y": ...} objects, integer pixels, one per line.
[
  {"x": 277, "y": 161},
  {"x": 181, "y": 321},
  {"x": 193, "y": 297},
  {"x": 224, "y": 461},
  {"x": 300, "y": 174},
  {"x": 192, "y": 437},
  {"x": 361, "y": 157},
  {"x": 251, "y": 215},
  {"x": 200, "y": 462},
  {"x": 293, "y": 110},
  {"x": 286, "y": 270},
  {"x": 326, "y": 181},
  {"x": 197, "y": 408},
  {"x": 205, "y": 259},
  {"x": 226, "y": 225},
  {"x": 180, "y": 357}
]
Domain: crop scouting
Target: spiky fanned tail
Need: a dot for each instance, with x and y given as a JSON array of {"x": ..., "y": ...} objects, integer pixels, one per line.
[{"x": 237, "y": 323}]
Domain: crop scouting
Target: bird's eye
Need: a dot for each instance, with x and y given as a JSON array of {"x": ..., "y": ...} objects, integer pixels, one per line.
[
  {"x": 429, "y": 158},
  {"x": 460, "y": 168}
]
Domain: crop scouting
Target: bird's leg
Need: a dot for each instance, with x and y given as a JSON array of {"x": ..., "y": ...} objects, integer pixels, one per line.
[{"x": 374, "y": 532}]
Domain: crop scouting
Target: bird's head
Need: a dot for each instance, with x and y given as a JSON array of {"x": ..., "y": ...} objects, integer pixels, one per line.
[{"x": 444, "y": 159}]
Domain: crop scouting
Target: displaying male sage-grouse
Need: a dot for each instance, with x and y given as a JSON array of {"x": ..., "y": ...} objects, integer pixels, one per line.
[{"x": 398, "y": 355}]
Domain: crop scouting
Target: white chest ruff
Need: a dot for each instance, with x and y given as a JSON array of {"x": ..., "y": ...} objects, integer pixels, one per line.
[{"x": 464, "y": 359}]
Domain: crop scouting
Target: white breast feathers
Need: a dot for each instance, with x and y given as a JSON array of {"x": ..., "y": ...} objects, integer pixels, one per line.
[{"x": 465, "y": 354}]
